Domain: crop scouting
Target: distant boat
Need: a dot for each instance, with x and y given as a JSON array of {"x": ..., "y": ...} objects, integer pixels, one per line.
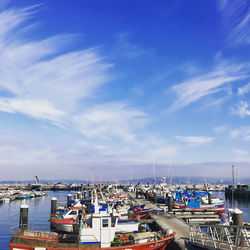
[{"x": 37, "y": 186}]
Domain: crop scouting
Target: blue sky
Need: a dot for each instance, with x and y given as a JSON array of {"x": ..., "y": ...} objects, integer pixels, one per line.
[{"x": 104, "y": 89}]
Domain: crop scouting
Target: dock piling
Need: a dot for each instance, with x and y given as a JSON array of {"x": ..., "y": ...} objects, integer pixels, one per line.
[
  {"x": 237, "y": 217},
  {"x": 23, "y": 220},
  {"x": 209, "y": 198},
  {"x": 170, "y": 205},
  {"x": 53, "y": 207},
  {"x": 69, "y": 197},
  {"x": 155, "y": 198}
]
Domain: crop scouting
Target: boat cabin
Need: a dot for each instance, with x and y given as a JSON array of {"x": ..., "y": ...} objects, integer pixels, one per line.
[{"x": 100, "y": 230}]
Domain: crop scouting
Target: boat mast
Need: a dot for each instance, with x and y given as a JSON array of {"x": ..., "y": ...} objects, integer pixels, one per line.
[
  {"x": 233, "y": 203},
  {"x": 154, "y": 174}
]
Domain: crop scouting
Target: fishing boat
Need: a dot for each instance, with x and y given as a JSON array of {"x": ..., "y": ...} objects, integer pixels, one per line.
[
  {"x": 98, "y": 232},
  {"x": 37, "y": 186},
  {"x": 196, "y": 204},
  {"x": 68, "y": 221}
]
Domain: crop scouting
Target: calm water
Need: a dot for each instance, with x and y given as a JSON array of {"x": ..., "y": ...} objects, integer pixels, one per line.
[
  {"x": 39, "y": 211},
  {"x": 242, "y": 204}
]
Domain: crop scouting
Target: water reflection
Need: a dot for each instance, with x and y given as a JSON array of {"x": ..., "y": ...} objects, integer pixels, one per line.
[{"x": 242, "y": 203}]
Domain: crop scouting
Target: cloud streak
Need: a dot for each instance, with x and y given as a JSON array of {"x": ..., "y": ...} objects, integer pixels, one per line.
[
  {"x": 244, "y": 89},
  {"x": 109, "y": 120},
  {"x": 242, "y": 109},
  {"x": 236, "y": 15},
  {"x": 38, "y": 79},
  {"x": 195, "y": 140},
  {"x": 243, "y": 133},
  {"x": 194, "y": 89}
]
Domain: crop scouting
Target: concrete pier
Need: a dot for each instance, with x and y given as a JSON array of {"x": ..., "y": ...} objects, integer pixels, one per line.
[{"x": 170, "y": 223}]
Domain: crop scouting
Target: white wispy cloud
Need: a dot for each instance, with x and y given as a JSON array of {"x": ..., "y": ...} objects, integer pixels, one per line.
[
  {"x": 216, "y": 103},
  {"x": 242, "y": 109},
  {"x": 195, "y": 140},
  {"x": 242, "y": 133},
  {"x": 194, "y": 89},
  {"x": 41, "y": 80},
  {"x": 110, "y": 120},
  {"x": 241, "y": 34},
  {"x": 244, "y": 90},
  {"x": 220, "y": 129},
  {"x": 33, "y": 108},
  {"x": 236, "y": 15}
]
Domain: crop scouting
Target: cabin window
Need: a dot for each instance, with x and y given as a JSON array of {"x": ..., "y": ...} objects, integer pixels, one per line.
[
  {"x": 105, "y": 223},
  {"x": 73, "y": 212}
]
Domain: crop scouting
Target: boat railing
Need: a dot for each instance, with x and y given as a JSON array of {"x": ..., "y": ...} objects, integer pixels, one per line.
[
  {"x": 30, "y": 227},
  {"x": 220, "y": 236}
]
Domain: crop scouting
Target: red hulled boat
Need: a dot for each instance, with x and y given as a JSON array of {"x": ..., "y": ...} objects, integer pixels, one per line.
[{"x": 32, "y": 240}]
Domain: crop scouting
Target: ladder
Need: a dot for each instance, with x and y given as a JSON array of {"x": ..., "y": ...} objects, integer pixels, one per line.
[{"x": 245, "y": 236}]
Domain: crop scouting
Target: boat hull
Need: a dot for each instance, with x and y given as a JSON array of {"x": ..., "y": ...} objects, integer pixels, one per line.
[
  {"x": 64, "y": 225},
  {"x": 217, "y": 210},
  {"x": 27, "y": 243},
  {"x": 144, "y": 214}
]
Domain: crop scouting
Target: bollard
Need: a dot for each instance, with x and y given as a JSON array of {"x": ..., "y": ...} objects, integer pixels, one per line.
[
  {"x": 209, "y": 198},
  {"x": 238, "y": 221},
  {"x": 53, "y": 207},
  {"x": 155, "y": 197},
  {"x": 147, "y": 197},
  {"x": 170, "y": 206},
  {"x": 69, "y": 197},
  {"x": 237, "y": 217},
  {"x": 23, "y": 220}
]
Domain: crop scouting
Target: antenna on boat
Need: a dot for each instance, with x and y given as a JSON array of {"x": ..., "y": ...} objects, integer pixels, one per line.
[
  {"x": 154, "y": 173},
  {"x": 233, "y": 203}
]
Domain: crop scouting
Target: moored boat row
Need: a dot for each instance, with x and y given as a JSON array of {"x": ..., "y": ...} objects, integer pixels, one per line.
[
  {"x": 109, "y": 221},
  {"x": 12, "y": 194}
]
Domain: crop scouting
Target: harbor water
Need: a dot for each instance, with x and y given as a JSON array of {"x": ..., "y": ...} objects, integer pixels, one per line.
[{"x": 39, "y": 212}]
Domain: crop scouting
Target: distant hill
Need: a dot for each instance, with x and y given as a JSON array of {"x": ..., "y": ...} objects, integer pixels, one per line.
[{"x": 174, "y": 180}]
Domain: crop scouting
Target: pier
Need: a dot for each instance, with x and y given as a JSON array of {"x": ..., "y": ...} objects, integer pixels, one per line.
[
  {"x": 195, "y": 229},
  {"x": 169, "y": 222},
  {"x": 79, "y": 187}
]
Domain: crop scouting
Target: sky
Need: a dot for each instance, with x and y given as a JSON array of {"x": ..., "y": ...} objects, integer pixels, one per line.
[{"x": 106, "y": 89}]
